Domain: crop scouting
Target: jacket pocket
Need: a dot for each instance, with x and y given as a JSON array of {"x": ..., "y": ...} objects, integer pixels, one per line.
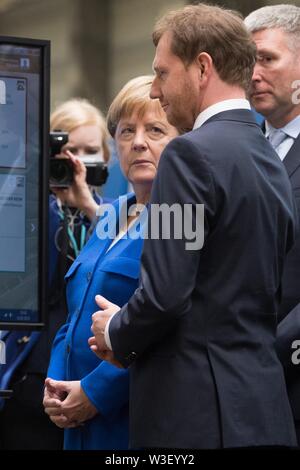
[{"x": 123, "y": 266}]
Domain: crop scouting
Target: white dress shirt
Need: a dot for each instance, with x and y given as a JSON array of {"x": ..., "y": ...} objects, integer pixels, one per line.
[
  {"x": 291, "y": 130},
  {"x": 226, "y": 105}
]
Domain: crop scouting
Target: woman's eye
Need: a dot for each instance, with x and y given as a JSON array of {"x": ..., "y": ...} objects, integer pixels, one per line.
[
  {"x": 156, "y": 131},
  {"x": 126, "y": 130},
  {"x": 74, "y": 150}
]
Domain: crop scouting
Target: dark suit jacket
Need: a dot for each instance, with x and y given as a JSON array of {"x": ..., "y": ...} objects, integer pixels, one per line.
[
  {"x": 202, "y": 324},
  {"x": 289, "y": 311},
  {"x": 291, "y": 273}
]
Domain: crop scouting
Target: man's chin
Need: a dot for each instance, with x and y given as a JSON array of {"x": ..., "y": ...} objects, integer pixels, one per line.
[
  {"x": 179, "y": 122},
  {"x": 171, "y": 119},
  {"x": 261, "y": 106}
]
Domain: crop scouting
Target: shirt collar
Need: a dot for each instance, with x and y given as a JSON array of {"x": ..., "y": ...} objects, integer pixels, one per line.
[
  {"x": 226, "y": 105},
  {"x": 292, "y": 128}
]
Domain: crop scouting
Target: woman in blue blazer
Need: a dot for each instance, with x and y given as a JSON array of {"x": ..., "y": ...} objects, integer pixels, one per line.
[{"x": 84, "y": 395}]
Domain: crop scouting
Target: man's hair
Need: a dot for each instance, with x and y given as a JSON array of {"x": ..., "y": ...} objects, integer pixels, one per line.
[
  {"x": 284, "y": 16},
  {"x": 78, "y": 112},
  {"x": 134, "y": 96},
  {"x": 216, "y": 31}
]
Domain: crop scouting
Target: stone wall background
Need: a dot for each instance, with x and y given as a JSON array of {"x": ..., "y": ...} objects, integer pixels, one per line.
[{"x": 96, "y": 45}]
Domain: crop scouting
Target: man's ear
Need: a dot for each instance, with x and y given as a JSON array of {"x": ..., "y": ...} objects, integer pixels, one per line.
[{"x": 204, "y": 63}]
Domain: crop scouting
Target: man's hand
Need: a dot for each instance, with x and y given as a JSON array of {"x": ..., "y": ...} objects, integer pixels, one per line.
[
  {"x": 74, "y": 410},
  {"x": 97, "y": 342},
  {"x": 107, "y": 355},
  {"x": 100, "y": 318}
]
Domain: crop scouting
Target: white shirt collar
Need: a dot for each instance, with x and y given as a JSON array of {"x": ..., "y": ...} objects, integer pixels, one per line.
[
  {"x": 292, "y": 128},
  {"x": 226, "y": 105}
]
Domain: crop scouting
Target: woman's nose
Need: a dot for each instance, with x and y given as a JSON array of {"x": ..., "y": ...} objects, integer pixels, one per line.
[{"x": 139, "y": 141}]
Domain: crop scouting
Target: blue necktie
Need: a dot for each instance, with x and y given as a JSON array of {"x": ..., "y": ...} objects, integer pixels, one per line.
[{"x": 276, "y": 137}]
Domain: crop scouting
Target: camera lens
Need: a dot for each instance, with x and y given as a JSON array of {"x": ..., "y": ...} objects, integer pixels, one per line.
[{"x": 61, "y": 172}]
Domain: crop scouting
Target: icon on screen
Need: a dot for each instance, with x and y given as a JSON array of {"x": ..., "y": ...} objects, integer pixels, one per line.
[
  {"x": 24, "y": 63},
  {"x": 20, "y": 85}
]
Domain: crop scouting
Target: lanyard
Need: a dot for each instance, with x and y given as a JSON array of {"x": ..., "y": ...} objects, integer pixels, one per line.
[{"x": 71, "y": 235}]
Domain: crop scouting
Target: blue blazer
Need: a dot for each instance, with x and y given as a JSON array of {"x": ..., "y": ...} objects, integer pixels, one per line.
[{"x": 113, "y": 274}]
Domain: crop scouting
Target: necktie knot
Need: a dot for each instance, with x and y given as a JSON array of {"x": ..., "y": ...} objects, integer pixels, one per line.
[{"x": 276, "y": 137}]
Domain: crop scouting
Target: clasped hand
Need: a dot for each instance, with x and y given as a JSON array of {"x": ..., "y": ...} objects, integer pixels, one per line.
[{"x": 66, "y": 403}]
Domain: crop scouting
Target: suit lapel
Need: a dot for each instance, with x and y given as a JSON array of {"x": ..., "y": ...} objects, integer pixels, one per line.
[
  {"x": 292, "y": 159},
  {"x": 102, "y": 227}
]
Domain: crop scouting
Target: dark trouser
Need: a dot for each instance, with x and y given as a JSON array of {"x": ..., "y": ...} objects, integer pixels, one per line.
[{"x": 23, "y": 422}]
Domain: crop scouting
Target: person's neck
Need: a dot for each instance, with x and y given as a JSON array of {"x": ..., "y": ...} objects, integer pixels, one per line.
[
  {"x": 142, "y": 193},
  {"x": 280, "y": 120},
  {"x": 220, "y": 91}
]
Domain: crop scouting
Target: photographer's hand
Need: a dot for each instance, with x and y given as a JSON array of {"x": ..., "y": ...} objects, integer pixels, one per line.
[{"x": 78, "y": 194}]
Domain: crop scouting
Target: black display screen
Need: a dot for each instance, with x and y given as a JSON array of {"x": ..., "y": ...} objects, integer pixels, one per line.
[{"x": 24, "y": 126}]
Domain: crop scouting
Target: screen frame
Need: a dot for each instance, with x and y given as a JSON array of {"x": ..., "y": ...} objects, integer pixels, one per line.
[{"x": 43, "y": 211}]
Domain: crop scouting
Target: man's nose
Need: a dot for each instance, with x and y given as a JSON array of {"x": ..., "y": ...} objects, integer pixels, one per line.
[
  {"x": 155, "y": 90},
  {"x": 256, "y": 77}
]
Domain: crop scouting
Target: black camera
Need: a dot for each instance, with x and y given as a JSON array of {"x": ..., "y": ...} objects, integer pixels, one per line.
[
  {"x": 96, "y": 172},
  {"x": 62, "y": 171}
]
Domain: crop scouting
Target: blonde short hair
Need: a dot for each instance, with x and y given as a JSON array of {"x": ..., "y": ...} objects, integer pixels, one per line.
[
  {"x": 134, "y": 96},
  {"x": 78, "y": 112}
]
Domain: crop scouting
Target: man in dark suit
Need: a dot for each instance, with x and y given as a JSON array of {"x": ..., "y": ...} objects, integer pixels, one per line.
[
  {"x": 198, "y": 334},
  {"x": 274, "y": 94}
]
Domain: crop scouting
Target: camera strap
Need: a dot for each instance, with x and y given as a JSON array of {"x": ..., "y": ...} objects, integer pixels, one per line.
[{"x": 71, "y": 236}]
